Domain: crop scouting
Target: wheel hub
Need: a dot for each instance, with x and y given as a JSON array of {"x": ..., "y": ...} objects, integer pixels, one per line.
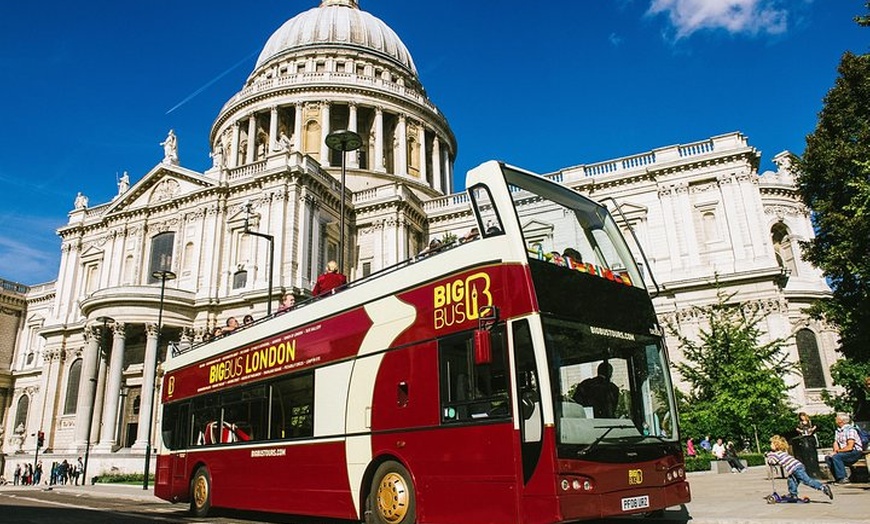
[{"x": 393, "y": 498}]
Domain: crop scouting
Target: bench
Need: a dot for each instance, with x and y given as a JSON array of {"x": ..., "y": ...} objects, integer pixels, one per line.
[
  {"x": 722, "y": 466},
  {"x": 858, "y": 471}
]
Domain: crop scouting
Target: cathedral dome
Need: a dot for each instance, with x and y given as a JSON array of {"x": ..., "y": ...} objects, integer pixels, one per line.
[{"x": 338, "y": 23}]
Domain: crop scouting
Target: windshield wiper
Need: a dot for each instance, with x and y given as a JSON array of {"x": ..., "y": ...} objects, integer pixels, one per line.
[{"x": 590, "y": 447}]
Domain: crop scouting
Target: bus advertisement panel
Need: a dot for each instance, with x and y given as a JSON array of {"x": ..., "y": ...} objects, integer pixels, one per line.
[{"x": 517, "y": 378}]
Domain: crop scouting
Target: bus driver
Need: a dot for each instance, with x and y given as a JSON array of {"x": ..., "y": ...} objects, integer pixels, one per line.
[{"x": 599, "y": 392}]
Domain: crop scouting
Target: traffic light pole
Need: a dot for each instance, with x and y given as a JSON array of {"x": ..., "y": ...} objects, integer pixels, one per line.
[{"x": 38, "y": 445}]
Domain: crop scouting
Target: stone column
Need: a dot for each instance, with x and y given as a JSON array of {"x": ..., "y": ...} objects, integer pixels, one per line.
[
  {"x": 109, "y": 436},
  {"x": 146, "y": 403},
  {"x": 52, "y": 405},
  {"x": 324, "y": 130},
  {"x": 690, "y": 234},
  {"x": 353, "y": 156},
  {"x": 421, "y": 138},
  {"x": 86, "y": 385},
  {"x": 379, "y": 141},
  {"x": 448, "y": 172},
  {"x": 436, "y": 164},
  {"x": 234, "y": 146},
  {"x": 297, "y": 128},
  {"x": 252, "y": 139},
  {"x": 400, "y": 154},
  {"x": 273, "y": 129},
  {"x": 666, "y": 197}
]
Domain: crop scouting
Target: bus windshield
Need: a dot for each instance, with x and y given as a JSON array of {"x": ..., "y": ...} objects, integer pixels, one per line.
[
  {"x": 611, "y": 387},
  {"x": 565, "y": 228}
]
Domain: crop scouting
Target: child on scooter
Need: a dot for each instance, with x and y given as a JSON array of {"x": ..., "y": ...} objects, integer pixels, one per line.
[{"x": 793, "y": 468}]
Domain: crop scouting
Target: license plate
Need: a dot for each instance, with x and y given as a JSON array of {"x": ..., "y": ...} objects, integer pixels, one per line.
[{"x": 633, "y": 503}]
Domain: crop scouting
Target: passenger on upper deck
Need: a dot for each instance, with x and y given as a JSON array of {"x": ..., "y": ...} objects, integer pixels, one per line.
[
  {"x": 329, "y": 280},
  {"x": 288, "y": 302},
  {"x": 473, "y": 234},
  {"x": 232, "y": 325}
]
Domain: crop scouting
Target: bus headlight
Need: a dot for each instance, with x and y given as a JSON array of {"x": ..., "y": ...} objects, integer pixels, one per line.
[{"x": 576, "y": 484}]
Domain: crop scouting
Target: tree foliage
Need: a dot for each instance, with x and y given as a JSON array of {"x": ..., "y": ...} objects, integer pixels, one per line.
[
  {"x": 737, "y": 384},
  {"x": 834, "y": 180}
]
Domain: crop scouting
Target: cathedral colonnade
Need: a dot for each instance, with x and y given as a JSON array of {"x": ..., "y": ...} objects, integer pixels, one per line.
[{"x": 394, "y": 143}]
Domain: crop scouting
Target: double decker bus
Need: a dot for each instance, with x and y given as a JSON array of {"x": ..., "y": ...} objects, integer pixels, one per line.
[{"x": 453, "y": 387}]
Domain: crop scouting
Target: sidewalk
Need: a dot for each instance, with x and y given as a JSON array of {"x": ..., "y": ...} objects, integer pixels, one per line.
[
  {"x": 732, "y": 498},
  {"x": 724, "y": 498},
  {"x": 115, "y": 491}
]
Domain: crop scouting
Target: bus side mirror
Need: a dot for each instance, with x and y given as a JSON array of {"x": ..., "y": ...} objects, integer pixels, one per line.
[{"x": 482, "y": 346}]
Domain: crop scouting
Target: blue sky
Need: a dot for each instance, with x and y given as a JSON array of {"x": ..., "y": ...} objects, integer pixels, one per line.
[{"x": 91, "y": 88}]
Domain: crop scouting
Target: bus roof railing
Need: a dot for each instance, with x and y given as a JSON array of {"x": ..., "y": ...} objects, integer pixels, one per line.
[{"x": 178, "y": 350}]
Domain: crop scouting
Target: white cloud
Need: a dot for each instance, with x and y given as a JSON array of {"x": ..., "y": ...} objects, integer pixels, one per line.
[
  {"x": 615, "y": 40},
  {"x": 734, "y": 16}
]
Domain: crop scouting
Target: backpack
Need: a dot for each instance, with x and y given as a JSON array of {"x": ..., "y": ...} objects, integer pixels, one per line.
[{"x": 863, "y": 436}]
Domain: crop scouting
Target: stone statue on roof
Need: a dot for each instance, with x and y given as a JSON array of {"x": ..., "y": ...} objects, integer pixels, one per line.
[
  {"x": 123, "y": 183},
  {"x": 170, "y": 148},
  {"x": 81, "y": 201}
]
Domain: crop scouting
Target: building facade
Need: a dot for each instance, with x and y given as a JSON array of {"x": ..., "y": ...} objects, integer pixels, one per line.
[{"x": 171, "y": 257}]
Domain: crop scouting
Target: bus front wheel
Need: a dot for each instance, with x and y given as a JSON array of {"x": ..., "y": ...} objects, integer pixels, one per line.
[
  {"x": 200, "y": 493},
  {"x": 391, "y": 499}
]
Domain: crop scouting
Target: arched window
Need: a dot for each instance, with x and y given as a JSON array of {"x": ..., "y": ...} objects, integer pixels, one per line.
[
  {"x": 161, "y": 254},
  {"x": 128, "y": 269},
  {"x": 240, "y": 279},
  {"x": 782, "y": 247},
  {"x": 811, "y": 361},
  {"x": 711, "y": 230},
  {"x": 311, "y": 143},
  {"x": 72, "y": 387},
  {"x": 21, "y": 412},
  {"x": 187, "y": 267},
  {"x": 413, "y": 153}
]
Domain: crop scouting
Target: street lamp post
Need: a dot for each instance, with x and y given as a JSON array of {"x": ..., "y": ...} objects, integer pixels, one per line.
[
  {"x": 105, "y": 321},
  {"x": 271, "y": 240},
  {"x": 344, "y": 141},
  {"x": 163, "y": 275}
]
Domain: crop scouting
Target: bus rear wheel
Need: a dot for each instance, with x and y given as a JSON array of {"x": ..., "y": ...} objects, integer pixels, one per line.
[
  {"x": 391, "y": 499},
  {"x": 200, "y": 493}
]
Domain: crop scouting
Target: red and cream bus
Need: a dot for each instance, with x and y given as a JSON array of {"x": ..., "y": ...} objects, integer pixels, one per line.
[{"x": 444, "y": 389}]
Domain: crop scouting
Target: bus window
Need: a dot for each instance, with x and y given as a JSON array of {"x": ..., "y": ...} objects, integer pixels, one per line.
[
  {"x": 532, "y": 418},
  {"x": 487, "y": 215},
  {"x": 293, "y": 407},
  {"x": 176, "y": 425},
  {"x": 206, "y": 410},
  {"x": 469, "y": 391}
]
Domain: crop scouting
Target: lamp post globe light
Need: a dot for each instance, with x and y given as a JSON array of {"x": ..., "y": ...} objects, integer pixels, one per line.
[
  {"x": 162, "y": 275},
  {"x": 271, "y": 240},
  {"x": 344, "y": 141},
  {"x": 105, "y": 321}
]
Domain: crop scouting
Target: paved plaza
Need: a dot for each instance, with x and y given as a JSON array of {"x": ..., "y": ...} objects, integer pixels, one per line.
[
  {"x": 736, "y": 498},
  {"x": 724, "y": 498}
]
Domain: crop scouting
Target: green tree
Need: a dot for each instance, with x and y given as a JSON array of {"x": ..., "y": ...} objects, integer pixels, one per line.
[
  {"x": 737, "y": 384},
  {"x": 834, "y": 181}
]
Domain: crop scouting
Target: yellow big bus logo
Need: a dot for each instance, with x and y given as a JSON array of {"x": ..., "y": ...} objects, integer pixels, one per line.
[
  {"x": 460, "y": 300},
  {"x": 170, "y": 387}
]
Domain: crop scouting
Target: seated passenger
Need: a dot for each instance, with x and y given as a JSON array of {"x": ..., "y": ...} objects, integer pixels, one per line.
[
  {"x": 329, "y": 280},
  {"x": 232, "y": 325},
  {"x": 473, "y": 234},
  {"x": 599, "y": 392},
  {"x": 573, "y": 254}
]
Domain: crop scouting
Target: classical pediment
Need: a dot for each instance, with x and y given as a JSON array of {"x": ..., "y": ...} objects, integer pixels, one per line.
[
  {"x": 630, "y": 211},
  {"x": 163, "y": 183}
]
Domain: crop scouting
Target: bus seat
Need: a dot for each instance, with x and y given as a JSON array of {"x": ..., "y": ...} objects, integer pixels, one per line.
[{"x": 573, "y": 410}]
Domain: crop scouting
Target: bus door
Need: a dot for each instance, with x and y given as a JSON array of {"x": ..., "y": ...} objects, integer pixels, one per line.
[
  {"x": 529, "y": 399},
  {"x": 178, "y": 458},
  {"x": 473, "y": 477}
]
